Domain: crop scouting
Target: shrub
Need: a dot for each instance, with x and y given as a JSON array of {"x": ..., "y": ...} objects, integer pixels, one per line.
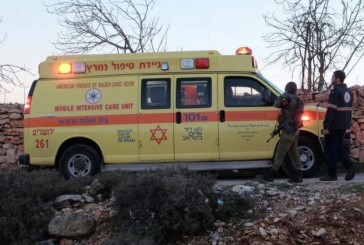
[
  {"x": 110, "y": 180},
  {"x": 153, "y": 207},
  {"x": 232, "y": 206},
  {"x": 163, "y": 205},
  {"x": 24, "y": 211}
]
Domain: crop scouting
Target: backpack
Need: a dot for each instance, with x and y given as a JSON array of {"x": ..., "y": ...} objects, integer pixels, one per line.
[{"x": 294, "y": 121}]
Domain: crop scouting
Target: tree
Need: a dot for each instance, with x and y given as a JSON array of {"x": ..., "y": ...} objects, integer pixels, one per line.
[
  {"x": 120, "y": 26},
  {"x": 9, "y": 74},
  {"x": 316, "y": 36}
]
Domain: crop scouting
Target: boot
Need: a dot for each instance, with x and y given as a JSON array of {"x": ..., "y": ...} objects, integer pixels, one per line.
[
  {"x": 351, "y": 173},
  {"x": 296, "y": 177},
  {"x": 269, "y": 175}
]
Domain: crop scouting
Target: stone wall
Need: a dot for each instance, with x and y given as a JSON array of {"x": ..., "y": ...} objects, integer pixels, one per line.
[
  {"x": 11, "y": 134},
  {"x": 357, "y": 124},
  {"x": 11, "y": 126}
]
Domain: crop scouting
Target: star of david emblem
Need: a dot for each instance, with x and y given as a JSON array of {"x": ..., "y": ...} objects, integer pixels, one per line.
[{"x": 158, "y": 134}]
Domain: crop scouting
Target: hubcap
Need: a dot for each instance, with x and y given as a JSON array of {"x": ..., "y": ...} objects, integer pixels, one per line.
[
  {"x": 79, "y": 165},
  {"x": 307, "y": 157}
]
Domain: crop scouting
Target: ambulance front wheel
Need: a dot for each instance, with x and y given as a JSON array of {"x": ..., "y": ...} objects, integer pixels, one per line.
[
  {"x": 79, "y": 161},
  {"x": 310, "y": 156}
]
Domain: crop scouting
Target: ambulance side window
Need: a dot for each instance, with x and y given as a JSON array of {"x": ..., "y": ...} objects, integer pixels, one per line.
[
  {"x": 245, "y": 91},
  {"x": 193, "y": 93},
  {"x": 156, "y": 94}
]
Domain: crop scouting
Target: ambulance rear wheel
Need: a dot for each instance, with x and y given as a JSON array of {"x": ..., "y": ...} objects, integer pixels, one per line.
[
  {"x": 79, "y": 161},
  {"x": 310, "y": 156}
]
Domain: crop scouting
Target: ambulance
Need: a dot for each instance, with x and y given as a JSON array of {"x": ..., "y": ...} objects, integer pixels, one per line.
[{"x": 196, "y": 109}]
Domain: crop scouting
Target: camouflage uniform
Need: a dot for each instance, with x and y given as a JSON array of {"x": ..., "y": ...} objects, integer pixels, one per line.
[
  {"x": 290, "y": 121},
  {"x": 289, "y": 135}
]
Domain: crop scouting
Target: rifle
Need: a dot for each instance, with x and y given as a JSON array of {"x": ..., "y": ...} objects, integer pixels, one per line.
[{"x": 278, "y": 128}]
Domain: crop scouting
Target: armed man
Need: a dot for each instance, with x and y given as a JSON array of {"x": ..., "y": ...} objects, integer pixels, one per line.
[{"x": 289, "y": 122}]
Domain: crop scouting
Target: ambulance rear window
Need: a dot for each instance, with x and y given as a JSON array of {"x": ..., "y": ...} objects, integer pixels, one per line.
[
  {"x": 156, "y": 94},
  {"x": 193, "y": 92}
]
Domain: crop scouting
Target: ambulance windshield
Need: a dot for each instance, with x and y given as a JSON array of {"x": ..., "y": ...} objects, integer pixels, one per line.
[{"x": 270, "y": 83}]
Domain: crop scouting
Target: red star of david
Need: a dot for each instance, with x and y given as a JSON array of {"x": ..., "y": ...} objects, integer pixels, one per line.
[{"x": 158, "y": 134}]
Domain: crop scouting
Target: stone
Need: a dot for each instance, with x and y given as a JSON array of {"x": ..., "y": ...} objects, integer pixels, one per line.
[
  {"x": 16, "y": 110},
  {"x": 2, "y": 138},
  {"x": 72, "y": 226},
  {"x": 15, "y": 116},
  {"x": 320, "y": 232},
  {"x": 355, "y": 153},
  {"x": 14, "y": 131},
  {"x": 2, "y": 152},
  {"x": 65, "y": 201},
  {"x": 17, "y": 124},
  {"x": 262, "y": 232},
  {"x": 361, "y": 156},
  {"x": 355, "y": 127},
  {"x": 4, "y": 121},
  {"x": 7, "y": 146},
  {"x": 242, "y": 189},
  {"x": 16, "y": 140},
  {"x": 10, "y": 156}
]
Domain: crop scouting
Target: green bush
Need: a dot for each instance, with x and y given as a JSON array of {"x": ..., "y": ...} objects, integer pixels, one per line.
[
  {"x": 153, "y": 207},
  {"x": 25, "y": 209},
  {"x": 163, "y": 205},
  {"x": 111, "y": 179},
  {"x": 233, "y": 206}
]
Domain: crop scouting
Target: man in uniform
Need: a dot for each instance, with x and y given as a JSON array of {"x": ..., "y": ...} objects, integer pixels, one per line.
[
  {"x": 289, "y": 121},
  {"x": 337, "y": 121}
]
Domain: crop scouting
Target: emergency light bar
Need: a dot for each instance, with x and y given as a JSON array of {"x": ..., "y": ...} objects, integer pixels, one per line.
[
  {"x": 197, "y": 63},
  {"x": 65, "y": 68},
  {"x": 247, "y": 51},
  {"x": 202, "y": 63},
  {"x": 68, "y": 68},
  {"x": 187, "y": 64},
  {"x": 79, "y": 68},
  {"x": 243, "y": 50}
]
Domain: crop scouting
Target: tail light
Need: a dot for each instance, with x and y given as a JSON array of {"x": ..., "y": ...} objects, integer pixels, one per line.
[
  {"x": 28, "y": 102},
  {"x": 305, "y": 118},
  {"x": 254, "y": 63}
]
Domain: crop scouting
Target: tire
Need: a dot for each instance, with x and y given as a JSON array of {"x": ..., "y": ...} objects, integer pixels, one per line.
[
  {"x": 310, "y": 156},
  {"x": 79, "y": 161}
]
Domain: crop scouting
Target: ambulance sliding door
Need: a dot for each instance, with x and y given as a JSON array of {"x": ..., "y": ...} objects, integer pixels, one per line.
[
  {"x": 156, "y": 119},
  {"x": 196, "y": 126},
  {"x": 247, "y": 117}
]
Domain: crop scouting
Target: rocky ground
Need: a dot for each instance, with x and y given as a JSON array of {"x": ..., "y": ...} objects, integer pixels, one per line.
[
  {"x": 308, "y": 213},
  {"x": 313, "y": 212}
]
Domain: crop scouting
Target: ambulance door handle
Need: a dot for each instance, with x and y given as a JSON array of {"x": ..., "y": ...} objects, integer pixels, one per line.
[
  {"x": 178, "y": 117},
  {"x": 222, "y": 116}
]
